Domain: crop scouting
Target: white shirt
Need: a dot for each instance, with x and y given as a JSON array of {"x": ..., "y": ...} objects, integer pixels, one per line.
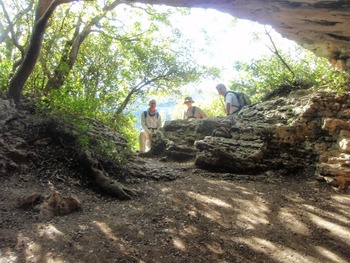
[
  {"x": 149, "y": 121},
  {"x": 232, "y": 99}
]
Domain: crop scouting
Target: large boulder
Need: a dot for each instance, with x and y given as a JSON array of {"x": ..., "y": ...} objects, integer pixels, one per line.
[{"x": 176, "y": 139}]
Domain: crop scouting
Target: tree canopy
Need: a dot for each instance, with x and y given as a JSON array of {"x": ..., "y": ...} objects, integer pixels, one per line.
[{"x": 90, "y": 58}]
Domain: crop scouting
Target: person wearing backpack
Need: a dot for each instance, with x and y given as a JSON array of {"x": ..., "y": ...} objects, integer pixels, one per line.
[
  {"x": 234, "y": 101},
  {"x": 193, "y": 111},
  {"x": 151, "y": 121}
]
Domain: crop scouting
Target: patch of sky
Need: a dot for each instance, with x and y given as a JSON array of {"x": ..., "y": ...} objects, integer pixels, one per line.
[{"x": 219, "y": 40}]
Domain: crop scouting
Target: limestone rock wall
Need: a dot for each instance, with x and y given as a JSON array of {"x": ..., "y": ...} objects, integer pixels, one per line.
[
  {"x": 306, "y": 130},
  {"x": 319, "y": 25}
]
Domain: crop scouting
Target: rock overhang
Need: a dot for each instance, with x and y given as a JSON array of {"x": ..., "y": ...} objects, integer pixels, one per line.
[{"x": 318, "y": 25}]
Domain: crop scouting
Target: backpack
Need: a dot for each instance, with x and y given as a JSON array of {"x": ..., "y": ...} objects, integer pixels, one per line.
[
  {"x": 242, "y": 98},
  {"x": 145, "y": 113},
  {"x": 193, "y": 111}
]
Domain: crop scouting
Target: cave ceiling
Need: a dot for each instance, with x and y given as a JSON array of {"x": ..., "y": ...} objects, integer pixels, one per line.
[{"x": 320, "y": 26}]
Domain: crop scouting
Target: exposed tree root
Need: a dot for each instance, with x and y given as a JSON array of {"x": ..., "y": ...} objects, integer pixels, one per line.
[{"x": 97, "y": 173}]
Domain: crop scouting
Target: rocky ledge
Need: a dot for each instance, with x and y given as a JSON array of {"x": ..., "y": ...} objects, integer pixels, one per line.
[{"x": 305, "y": 132}]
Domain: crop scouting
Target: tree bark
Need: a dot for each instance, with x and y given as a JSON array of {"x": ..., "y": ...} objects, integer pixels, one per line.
[
  {"x": 100, "y": 177},
  {"x": 71, "y": 51},
  {"x": 44, "y": 12}
]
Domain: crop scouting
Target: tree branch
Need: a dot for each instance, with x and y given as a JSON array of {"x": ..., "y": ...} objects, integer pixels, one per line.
[
  {"x": 70, "y": 55},
  {"x": 138, "y": 88},
  {"x": 23, "y": 72},
  {"x": 275, "y": 51}
]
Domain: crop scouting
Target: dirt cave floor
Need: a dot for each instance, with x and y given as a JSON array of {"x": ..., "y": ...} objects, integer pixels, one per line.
[{"x": 199, "y": 217}]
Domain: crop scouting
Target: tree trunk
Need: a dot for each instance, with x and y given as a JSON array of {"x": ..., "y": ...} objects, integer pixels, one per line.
[
  {"x": 71, "y": 51},
  {"x": 67, "y": 61},
  {"x": 44, "y": 12}
]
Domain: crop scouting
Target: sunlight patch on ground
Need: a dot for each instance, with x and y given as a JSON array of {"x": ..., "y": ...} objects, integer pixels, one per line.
[
  {"x": 209, "y": 200},
  {"x": 342, "y": 202},
  {"x": 342, "y": 218},
  {"x": 213, "y": 215},
  {"x": 179, "y": 244},
  {"x": 165, "y": 189},
  {"x": 290, "y": 219},
  {"x": 53, "y": 258},
  {"x": 341, "y": 199},
  {"x": 190, "y": 230},
  {"x": 336, "y": 230},
  {"x": 244, "y": 191},
  {"x": 331, "y": 257},
  {"x": 171, "y": 231},
  {"x": 105, "y": 230},
  {"x": 209, "y": 212},
  {"x": 277, "y": 252},
  {"x": 251, "y": 213},
  {"x": 31, "y": 250},
  {"x": 7, "y": 255},
  {"x": 49, "y": 232},
  {"x": 248, "y": 221},
  {"x": 192, "y": 213},
  {"x": 215, "y": 248},
  {"x": 295, "y": 198},
  {"x": 224, "y": 185}
]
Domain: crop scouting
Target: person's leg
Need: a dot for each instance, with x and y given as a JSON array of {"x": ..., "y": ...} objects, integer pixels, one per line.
[
  {"x": 142, "y": 139},
  {"x": 149, "y": 141}
]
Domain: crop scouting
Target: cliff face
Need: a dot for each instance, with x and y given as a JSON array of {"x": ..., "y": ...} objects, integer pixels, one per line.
[
  {"x": 318, "y": 25},
  {"x": 306, "y": 131}
]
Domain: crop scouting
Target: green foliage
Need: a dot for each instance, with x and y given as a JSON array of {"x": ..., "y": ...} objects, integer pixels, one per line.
[
  {"x": 79, "y": 113},
  {"x": 129, "y": 53},
  {"x": 260, "y": 76},
  {"x": 133, "y": 59},
  {"x": 16, "y": 19},
  {"x": 215, "y": 108},
  {"x": 68, "y": 110},
  {"x": 111, "y": 151},
  {"x": 5, "y": 69},
  {"x": 124, "y": 124},
  {"x": 120, "y": 60}
]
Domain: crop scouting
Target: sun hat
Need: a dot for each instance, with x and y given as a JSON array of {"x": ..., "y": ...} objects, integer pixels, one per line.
[{"x": 188, "y": 99}]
